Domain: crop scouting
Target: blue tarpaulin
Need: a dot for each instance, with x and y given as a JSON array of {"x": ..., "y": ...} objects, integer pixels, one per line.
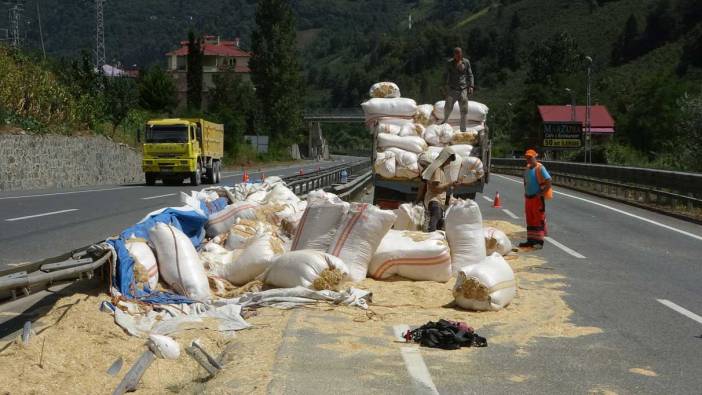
[{"x": 190, "y": 222}]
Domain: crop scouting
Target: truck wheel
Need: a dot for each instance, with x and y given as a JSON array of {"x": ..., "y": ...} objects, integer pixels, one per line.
[
  {"x": 210, "y": 174},
  {"x": 150, "y": 179},
  {"x": 215, "y": 172},
  {"x": 196, "y": 177}
]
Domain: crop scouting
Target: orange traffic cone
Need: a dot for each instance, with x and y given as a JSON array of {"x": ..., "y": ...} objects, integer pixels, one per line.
[
  {"x": 302, "y": 173},
  {"x": 496, "y": 203},
  {"x": 245, "y": 177}
]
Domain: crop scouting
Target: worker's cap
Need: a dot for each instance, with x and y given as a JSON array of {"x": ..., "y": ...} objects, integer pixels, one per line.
[{"x": 531, "y": 153}]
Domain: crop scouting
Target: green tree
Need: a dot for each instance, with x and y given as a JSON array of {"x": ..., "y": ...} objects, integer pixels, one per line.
[
  {"x": 275, "y": 72},
  {"x": 233, "y": 103},
  {"x": 626, "y": 46},
  {"x": 194, "y": 73},
  {"x": 121, "y": 96},
  {"x": 157, "y": 90},
  {"x": 690, "y": 126}
]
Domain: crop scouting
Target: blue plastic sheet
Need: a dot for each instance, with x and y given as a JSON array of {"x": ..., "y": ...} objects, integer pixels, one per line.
[{"x": 190, "y": 222}]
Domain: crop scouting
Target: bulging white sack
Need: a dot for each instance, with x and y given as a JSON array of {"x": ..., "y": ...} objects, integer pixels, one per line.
[
  {"x": 240, "y": 233},
  {"x": 145, "y": 266},
  {"x": 471, "y": 170},
  {"x": 413, "y": 255},
  {"x": 412, "y": 129},
  {"x": 281, "y": 194},
  {"x": 179, "y": 263},
  {"x": 464, "y": 150},
  {"x": 221, "y": 221},
  {"x": 414, "y": 144},
  {"x": 488, "y": 285},
  {"x": 319, "y": 223},
  {"x": 409, "y": 217},
  {"x": 358, "y": 236},
  {"x": 384, "y": 90},
  {"x": 385, "y": 164},
  {"x": 394, "y": 108},
  {"x": 423, "y": 114},
  {"x": 164, "y": 346},
  {"x": 496, "y": 241},
  {"x": 258, "y": 254},
  {"x": 406, "y": 163},
  {"x": 476, "y": 111},
  {"x": 464, "y": 230},
  {"x": 304, "y": 268},
  {"x": 438, "y": 135},
  {"x": 392, "y": 125},
  {"x": 258, "y": 197}
]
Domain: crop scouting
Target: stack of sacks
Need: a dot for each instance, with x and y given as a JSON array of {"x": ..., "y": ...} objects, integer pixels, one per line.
[
  {"x": 409, "y": 217},
  {"x": 397, "y": 163},
  {"x": 384, "y": 90},
  {"x": 413, "y": 255},
  {"x": 477, "y": 114},
  {"x": 249, "y": 260},
  {"x": 321, "y": 218},
  {"x": 464, "y": 230},
  {"x": 488, "y": 285},
  {"x": 358, "y": 236},
  {"x": 438, "y": 135},
  {"x": 306, "y": 268}
]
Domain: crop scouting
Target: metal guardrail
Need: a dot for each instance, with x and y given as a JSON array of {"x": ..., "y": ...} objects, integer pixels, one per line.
[
  {"x": 301, "y": 185},
  {"x": 675, "y": 192}
]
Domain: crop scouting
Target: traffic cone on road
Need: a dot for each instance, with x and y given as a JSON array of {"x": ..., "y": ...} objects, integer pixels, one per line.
[
  {"x": 245, "y": 177},
  {"x": 496, "y": 203}
]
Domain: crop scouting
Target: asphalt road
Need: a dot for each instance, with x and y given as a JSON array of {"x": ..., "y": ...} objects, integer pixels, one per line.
[
  {"x": 39, "y": 224},
  {"x": 617, "y": 260}
]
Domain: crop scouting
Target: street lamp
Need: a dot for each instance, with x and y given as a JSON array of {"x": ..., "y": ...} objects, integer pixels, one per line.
[
  {"x": 572, "y": 103},
  {"x": 588, "y": 109}
]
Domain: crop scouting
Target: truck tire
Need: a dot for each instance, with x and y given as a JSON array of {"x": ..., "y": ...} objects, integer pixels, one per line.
[
  {"x": 196, "y": 177},
  {"x": 210, "y": 174},
  {"x": 150, "y": 179},
  {"x": 217, "y": 173}
]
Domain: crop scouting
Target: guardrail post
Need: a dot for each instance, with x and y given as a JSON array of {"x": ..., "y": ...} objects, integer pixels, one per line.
[{"x": 690, "y": 205}]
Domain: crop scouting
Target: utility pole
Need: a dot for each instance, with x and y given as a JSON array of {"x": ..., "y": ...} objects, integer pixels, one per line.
[
  {"x": 588, "y": 115},
  {"x": 15, "y": 18},
  {"x": 41, "y": 32},
  {"x": 99, "y": 35}
]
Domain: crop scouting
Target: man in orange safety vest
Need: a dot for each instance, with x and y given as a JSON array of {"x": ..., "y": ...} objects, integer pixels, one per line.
[{"x": 537, "y": 189}]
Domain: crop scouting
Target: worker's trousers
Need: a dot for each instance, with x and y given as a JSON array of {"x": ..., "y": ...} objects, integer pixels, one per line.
[
  {"x": 436, "y": 216},
  {"x": 461, "y": 97}
]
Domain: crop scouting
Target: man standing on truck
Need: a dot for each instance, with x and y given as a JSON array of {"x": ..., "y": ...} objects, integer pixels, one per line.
[
  {"x": 434, "y": 188},
  {"x": 537, "y": 188},
  {"x": 459, "y": 84}
]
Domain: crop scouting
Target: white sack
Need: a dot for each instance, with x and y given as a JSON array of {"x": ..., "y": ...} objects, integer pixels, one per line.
[
  {"x": 476, "y": 111},
  {"x": 414, "y": 144},
  {"x": 358, "y": 236},
  {"x": 281, "y": 194},
  {"x": 221, "y": 221},
  {"x": 409, "y": 217},
  {"x": 179, "y": 263},
  {"x": 413, "y": 255},
  {"x": 258, "y": 254},
  {"x": 142, "y": 255},
  {"x": 384, "y": 90},
  {"x": 385, "y": 164},
  {"x": 464, "y": 150},
  {"x": 258, "y": 197},
  {"x": 470, "y": 136},
  {"x": 318, "y": 225},
  {"x": 301, "y": 268},
  {"x": 471, "y": 170},
  {"x": 464, "y": 230},
  {"x": 423, "y": 114},
  {"x": 239, "y": 234},
  {"x": 488, "y": 285},
  {"x": 164, "y": 346},
  {"x": 496, "y": 241},
  {"x": 412, "y": 129},
  {"x": 406, "y": 163},
  {"x": 397, "y": 108},
  {"x": 438, "y": 135},
  {"x": 392, "y": 125}
]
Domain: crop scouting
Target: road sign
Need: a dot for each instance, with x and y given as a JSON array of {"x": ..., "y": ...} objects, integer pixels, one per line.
[{"x": 563, "y": 135}]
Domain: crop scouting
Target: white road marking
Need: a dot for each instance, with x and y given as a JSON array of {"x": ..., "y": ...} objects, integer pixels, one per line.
[
  {"x": 67, "y": 193},
  {"x": 681, "y": 310},
  {"x": 156, "y": 197},
  {"x": 488, "y": 199},
  {"x": 564, "y": 248},
  {"x": 41, "y": 215},
  {"x": 418, "y": 370},
  {"x": 509, "y": 213},
  {"x": 650, "y": 221},
  {"x": 399, "y": 331}
]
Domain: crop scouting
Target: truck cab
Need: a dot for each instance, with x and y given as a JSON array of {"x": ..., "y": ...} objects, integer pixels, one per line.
[{"x": 178, "y": 148}]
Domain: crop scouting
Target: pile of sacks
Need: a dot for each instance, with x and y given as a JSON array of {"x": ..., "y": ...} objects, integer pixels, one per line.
[
  {"x": 409, "y": 136},
  {"x": 267, "y": 236}
]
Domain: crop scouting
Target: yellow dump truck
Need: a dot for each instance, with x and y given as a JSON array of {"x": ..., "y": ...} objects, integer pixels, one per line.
[{"x": 182, "y": 148}]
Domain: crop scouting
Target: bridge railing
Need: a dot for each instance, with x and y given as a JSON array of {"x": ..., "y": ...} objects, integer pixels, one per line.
[{"x": 674, "y": 192}]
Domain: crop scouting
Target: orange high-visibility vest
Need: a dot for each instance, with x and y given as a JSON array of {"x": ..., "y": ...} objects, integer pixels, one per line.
[{"x": 548, "y": 194}]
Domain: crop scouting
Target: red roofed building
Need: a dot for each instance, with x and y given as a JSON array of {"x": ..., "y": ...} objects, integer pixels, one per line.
[
  {"x": 601, "y": 122},
  {"x": 219, "y": 56}
]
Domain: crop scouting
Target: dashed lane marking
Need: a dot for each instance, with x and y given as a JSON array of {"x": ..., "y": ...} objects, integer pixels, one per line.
[
  {"x": 414, "y": 363},
  {"x": 159, "y": 196},
  {"x": 41, "y": 215},
  {"x": 681, "y": 310},
  {"x": 564, "y": 248},
  {"x": 67, "y": 193},
  {"x": 488, "y": 199},
  {"x": 650, "y": 221},
  {"x": 509, "y": 213}
]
